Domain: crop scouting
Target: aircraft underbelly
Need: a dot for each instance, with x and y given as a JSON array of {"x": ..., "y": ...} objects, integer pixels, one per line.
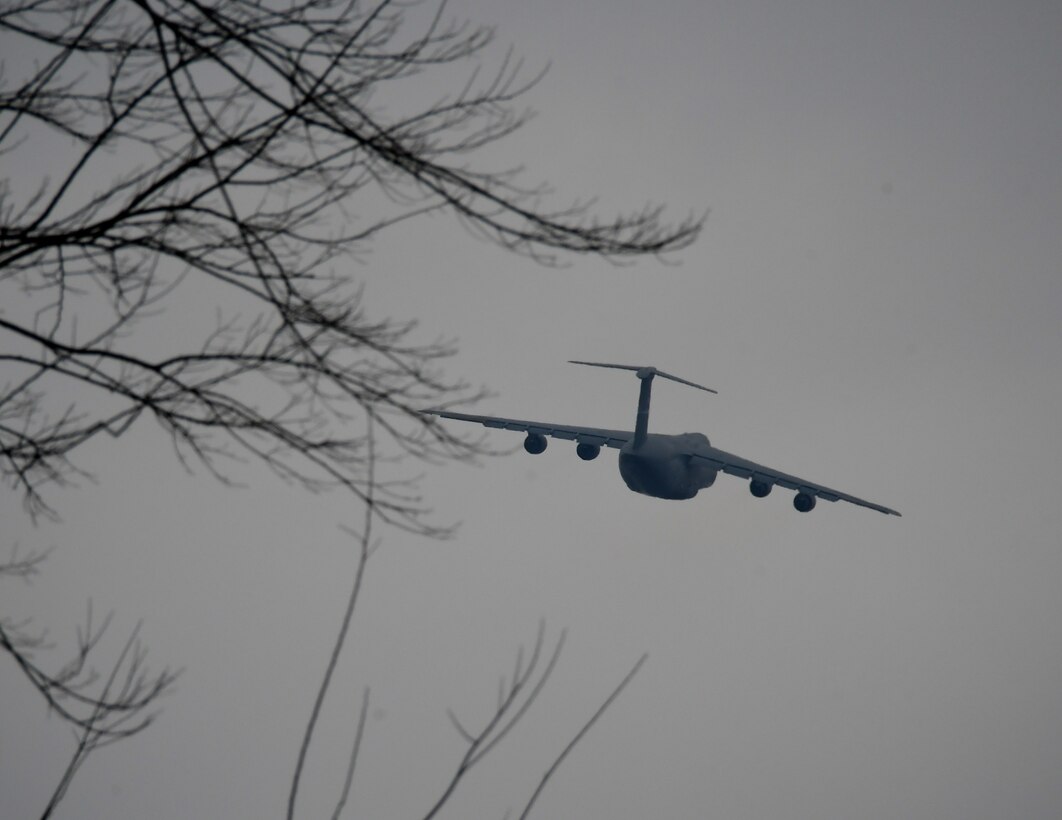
[{"x": 661, "y": 476}]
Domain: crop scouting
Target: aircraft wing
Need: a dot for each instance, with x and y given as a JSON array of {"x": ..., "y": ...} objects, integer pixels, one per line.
[
  {"x": 584, "y": 435},
  {"x": 743, "y": 468}
]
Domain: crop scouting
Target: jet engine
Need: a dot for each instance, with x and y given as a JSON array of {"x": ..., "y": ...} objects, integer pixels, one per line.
[
  {"x": 587, "y": 452},
  {"x": 804, "y": 502},
  {"x": 760, "y": 488},
  {"x": 535, "y": 443}
]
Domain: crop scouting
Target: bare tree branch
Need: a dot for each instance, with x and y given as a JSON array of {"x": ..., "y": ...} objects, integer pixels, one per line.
[
  {"x": 365, "y": 548},
  {"x": 69, "y": 692},
  {"x": 581, "y": 734},
  {"x": 218, "y": 169},
  {"x": 123, "y": 705},
  {"x": 516, "y": 699},
  {"x": 352, "y": 761},
  {"x": 246, "y": 133}
]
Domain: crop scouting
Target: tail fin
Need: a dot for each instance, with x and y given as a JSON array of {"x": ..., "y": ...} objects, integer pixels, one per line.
[{"x": 645, "y": 373}]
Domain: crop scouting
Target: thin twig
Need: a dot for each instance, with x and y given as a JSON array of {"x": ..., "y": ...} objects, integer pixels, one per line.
[
  {"x": 352, "y": 761},
  {"x": 344, "y": 626},
  {"x": 580, "y": 734}
]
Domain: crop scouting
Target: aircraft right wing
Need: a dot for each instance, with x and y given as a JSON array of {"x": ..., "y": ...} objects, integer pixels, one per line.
[
  {"x": 583, "y": 435},
  {"x": 743, "y": 468}
]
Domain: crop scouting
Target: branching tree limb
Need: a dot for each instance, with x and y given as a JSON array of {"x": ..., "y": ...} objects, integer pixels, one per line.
[
  {"x": 100, "y": 709},
  {"x": 515, "y": 697},
  {"x": 213, "y": 171},
  {"x": 580, "y": 735},
  {"x": 221, "y": 147},
  {"x": 365, "y": 549}
]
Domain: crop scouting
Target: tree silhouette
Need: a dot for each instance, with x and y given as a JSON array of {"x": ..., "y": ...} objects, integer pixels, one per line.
[{"x": 204, "y": 161}]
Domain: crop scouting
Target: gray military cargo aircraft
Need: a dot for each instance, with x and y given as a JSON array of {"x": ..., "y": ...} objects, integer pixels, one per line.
[{"x": 660, "y": 465}]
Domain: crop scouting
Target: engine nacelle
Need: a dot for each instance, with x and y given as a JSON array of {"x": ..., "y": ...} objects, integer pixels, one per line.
[
  {"x": 804, "y": 502},
  {"x": 587, "y": 452},
  {"x": 760, "y": 488},
  {"x": 535, "y": 443}
]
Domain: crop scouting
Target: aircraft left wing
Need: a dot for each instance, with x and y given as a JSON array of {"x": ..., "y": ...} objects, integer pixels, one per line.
[
  {"x": 583, "y": 435},
  {"x": 743, "y": 468}
]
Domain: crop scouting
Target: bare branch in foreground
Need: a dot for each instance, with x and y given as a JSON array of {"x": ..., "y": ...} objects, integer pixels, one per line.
[
  {"x": 515, "y": 700},
  {"x": 216, "y": 172},
  {"x": 100, "y": 710},
  {"x": 263, "y": 148},
  {"x": 580, "y": 734},
  {"x": 352, "y": 761},
  {"x": 364, "y": 551}
]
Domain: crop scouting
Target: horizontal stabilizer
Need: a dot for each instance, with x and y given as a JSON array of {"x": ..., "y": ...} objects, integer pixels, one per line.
[{"x": 645, "y": 373}]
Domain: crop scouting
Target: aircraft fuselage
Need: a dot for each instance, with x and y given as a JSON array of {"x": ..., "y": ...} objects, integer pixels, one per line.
[{"x": 661, "y": 466}]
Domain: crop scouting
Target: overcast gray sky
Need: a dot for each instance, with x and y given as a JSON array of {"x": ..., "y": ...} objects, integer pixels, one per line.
[{"x": 877, "y": 296}]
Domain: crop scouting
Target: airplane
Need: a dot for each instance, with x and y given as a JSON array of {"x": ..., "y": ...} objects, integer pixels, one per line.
[{"x": 665, "y": 466}]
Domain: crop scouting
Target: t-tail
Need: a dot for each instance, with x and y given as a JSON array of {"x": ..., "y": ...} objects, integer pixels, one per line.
[{"x": 645, "y": 374}]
